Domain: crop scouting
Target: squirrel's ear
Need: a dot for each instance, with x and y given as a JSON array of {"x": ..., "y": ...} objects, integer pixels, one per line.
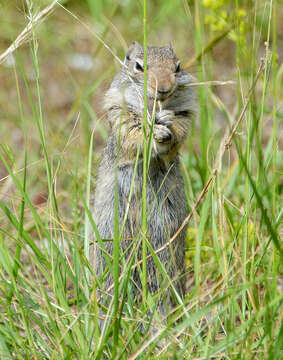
[
  {"x": 170, "y": 47},
  {"x": 136, "y": 45},
  {"x": 134, "y": 48}
]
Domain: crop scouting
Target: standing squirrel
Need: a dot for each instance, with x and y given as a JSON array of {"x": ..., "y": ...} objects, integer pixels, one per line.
[{"x": 165, "y": 193}]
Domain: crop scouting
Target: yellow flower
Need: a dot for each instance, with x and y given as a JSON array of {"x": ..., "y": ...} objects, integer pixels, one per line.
[
  {"x": 208, "y": 19},
  {"x": 242, "y": 13},
  {"x": 223, "y": 14},
  {"x": 207, "y": 3},
  {"x": 242, "y": 27}
]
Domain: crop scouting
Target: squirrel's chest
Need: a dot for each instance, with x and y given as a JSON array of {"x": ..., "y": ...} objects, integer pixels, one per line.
[
  {"x": 130, "y": 180},
  {"x": 165, "y": 198},
  {"x": 164, "y": 190}
]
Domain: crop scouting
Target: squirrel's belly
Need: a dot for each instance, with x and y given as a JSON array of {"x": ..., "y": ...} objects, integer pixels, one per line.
[{"x": 165, "y": 200}]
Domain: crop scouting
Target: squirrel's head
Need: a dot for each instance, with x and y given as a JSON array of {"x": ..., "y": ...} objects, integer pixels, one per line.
[{"x": 164, "y": 73}]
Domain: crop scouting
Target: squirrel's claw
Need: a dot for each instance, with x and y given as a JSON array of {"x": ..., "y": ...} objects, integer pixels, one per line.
[
  {"x": 162, "y": 134},
  {"x": 164, "y": 117}
]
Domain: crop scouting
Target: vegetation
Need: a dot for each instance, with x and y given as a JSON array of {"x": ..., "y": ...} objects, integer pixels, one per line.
[{"x": 51, "y": 136}]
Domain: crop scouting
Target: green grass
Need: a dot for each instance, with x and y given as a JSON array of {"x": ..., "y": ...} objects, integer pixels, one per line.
[{"x": 48, "y": 161}]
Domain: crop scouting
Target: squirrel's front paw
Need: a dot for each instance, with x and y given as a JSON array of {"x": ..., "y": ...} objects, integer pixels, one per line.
[
  {"x": 164, "y": 117},
  {"x": 162, "y": 134}
]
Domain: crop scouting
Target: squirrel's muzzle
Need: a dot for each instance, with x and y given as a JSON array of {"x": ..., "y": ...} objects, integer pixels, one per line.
[{"x": 162, "y": 82}]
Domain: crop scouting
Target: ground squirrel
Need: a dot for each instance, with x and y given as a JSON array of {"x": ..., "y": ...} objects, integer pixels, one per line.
[{"x": 166, "y": 199}]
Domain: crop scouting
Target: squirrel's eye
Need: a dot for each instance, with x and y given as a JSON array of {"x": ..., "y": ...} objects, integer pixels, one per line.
[
  {"x": 178, "y": 68},
  {"x": 138, "y": 67}
]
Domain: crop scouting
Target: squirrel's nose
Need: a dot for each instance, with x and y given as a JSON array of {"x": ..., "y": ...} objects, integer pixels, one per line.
[
  {"x": 162, "y": 80},
  {"x": 164, "y": 89},
  {"x": 163, "y": 92}
]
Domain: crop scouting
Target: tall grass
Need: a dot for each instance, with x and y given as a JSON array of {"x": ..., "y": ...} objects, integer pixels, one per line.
[{"x": 232, "y": 163}]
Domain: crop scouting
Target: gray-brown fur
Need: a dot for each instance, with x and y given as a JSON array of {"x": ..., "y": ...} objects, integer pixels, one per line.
[{"x": 166, "y": 201}]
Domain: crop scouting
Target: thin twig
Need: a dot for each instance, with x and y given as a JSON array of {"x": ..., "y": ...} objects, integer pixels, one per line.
[
  {"x": 22, "y": 38},
  {"x": 211, "y": 83},
  {"x": 96, "y": 35},
  {"x": 260, "y": 70}
]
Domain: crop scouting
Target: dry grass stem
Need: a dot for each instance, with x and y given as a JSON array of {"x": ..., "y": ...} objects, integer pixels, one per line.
[
  {"x": 211, "y": 83},
  {"x": 24, "y": 35}
]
